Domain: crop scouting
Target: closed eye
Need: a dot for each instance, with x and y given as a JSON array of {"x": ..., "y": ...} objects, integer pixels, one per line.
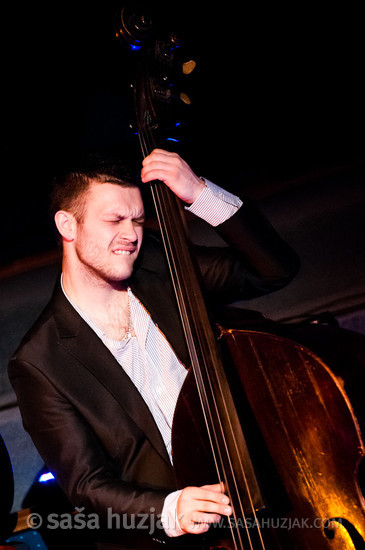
[
  {"x": 114, "y": 221},
  {"x": 135, "y": 221}
]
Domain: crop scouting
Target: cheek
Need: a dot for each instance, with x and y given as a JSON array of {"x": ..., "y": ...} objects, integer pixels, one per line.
[
  {"x": 96, "y": 235},
  {"x": 91, "y": 243}
]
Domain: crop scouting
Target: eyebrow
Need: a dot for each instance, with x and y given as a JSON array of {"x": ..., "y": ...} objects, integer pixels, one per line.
[{"x": 115, "y": 214}]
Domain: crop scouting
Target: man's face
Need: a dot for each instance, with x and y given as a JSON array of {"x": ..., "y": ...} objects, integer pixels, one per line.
[{"x": 109, "y": 237}]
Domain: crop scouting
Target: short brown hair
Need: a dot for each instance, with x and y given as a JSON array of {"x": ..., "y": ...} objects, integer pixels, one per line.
[{"x": 71, "y": 186}]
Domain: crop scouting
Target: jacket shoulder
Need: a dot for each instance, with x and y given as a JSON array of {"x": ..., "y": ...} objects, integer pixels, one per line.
[{"x": 45, "y": 329}]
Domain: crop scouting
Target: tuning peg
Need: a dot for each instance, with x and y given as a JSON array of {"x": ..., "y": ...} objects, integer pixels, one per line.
[
  {"x": 185, "y": 98},
  {"x": 166, "y": 93},
  {"x": 188, "y": 66}
]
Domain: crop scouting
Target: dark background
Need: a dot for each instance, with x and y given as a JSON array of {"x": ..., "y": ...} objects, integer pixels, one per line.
[{"x": 278, "y": 93}]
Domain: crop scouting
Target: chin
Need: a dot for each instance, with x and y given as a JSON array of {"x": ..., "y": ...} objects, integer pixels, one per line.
[{"x": 118, "y": 276}]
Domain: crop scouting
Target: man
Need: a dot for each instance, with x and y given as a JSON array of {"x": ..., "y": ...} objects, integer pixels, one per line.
[{"x": 97, "y": 377}]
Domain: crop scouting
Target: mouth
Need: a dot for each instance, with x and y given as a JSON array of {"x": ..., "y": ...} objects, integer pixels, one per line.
[{"x": 122, "y": 252}]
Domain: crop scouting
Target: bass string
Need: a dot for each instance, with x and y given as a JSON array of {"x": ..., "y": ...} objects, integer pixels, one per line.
[
  {"x": 147, "y": 144},
  {"x": 207, "y": 410}
]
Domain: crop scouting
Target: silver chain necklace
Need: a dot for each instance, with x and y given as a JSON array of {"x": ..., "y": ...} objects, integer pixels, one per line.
[{"x": 128, "y": 334}]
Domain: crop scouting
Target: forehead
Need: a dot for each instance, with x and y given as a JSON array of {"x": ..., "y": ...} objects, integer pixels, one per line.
[{"x": 105, "y": 196}]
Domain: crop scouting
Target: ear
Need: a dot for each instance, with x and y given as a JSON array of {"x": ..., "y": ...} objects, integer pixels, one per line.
[{"x": 66, "y": 225}]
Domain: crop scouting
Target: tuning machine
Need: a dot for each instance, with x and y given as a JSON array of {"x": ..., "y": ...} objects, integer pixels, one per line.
[
  {"x": 167, "y": 93},
  {"x": 168, "y": 52}
]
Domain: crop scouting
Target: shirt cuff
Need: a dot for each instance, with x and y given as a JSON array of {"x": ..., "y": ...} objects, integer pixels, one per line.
[
  {"x": 169, "y": 520},
  {"x": 214, "y": 204}
]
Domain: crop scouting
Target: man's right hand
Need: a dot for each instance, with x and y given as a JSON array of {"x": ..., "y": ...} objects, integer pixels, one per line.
[{"x": 198, "y": 507}]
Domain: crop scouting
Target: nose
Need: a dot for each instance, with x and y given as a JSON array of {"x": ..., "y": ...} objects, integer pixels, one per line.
[{"x": 127, "y": 231}]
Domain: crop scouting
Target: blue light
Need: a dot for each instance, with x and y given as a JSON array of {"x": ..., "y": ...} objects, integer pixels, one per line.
[
  {"x": 172, "y": 139},
  {"x": 45, "y": 477},
  {"x": 135, "y": 48}
]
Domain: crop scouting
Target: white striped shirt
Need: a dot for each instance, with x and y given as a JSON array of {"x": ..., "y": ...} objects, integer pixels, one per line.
[
  {"x": 148, "y": 358},
  {"x": 151, "y": 364}
]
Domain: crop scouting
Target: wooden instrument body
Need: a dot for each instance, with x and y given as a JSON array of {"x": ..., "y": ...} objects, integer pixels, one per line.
[{"x": 309, "y": 430}]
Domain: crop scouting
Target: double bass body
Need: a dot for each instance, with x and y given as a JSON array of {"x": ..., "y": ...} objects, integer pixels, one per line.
[{"x": 311, "y": 434}]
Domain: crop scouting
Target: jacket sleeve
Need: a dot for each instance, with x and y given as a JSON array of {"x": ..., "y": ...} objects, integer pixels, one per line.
[
  {"x": 68, "y": 445},
  {"x": 255, "y": 261},
  {"x": 258, "y": 260}
]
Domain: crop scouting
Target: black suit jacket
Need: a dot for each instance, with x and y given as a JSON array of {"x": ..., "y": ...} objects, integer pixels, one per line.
[{"x": 85, "y": 416}]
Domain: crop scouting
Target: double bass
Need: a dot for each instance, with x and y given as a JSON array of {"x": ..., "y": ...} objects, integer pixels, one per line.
[{"x": 258, "y": 412}]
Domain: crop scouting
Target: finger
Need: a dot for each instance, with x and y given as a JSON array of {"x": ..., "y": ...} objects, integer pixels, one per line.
[
  {"x": 215, "y": 493},
  {"x": 158, "y": 169},
  {"x": 160, "y": 154},
  {"x": 199, "y": 523},
  {"x": 157, "y": 164},
  {"x": 197, "y": 528},
  {"x": 203, "y": 517},
  {"x": 217, "y": 487},
  {"x": 199, "y": 499},
  {"x": 158, "y": 151},
  {"x": 155, "y": 174},
  {"x": 207, "y": 493}
]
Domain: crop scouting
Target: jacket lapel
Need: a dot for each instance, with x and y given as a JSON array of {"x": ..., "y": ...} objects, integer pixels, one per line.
[
  {"x": 157, "y": 297},
  {"x": 85, "y": 346}
]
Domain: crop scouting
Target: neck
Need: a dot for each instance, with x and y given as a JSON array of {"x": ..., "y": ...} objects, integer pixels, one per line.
[
  {"x": 92, "y": 294},
  {"x": 107, "y": 305}
]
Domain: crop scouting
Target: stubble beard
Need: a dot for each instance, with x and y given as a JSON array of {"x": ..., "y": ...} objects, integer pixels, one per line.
[{"x": 99, "y": 267}]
